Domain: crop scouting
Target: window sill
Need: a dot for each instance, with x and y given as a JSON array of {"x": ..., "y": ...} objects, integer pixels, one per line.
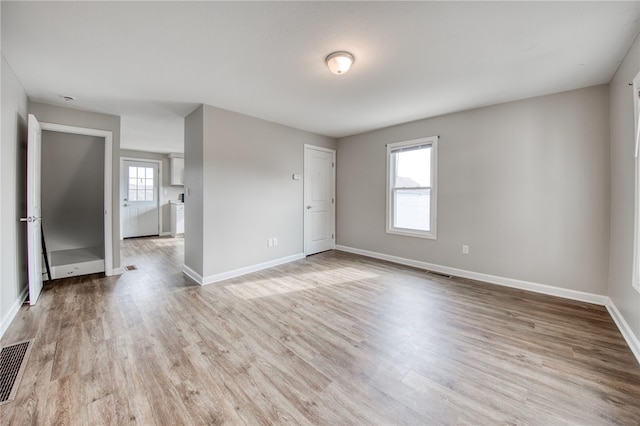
[{"x": 415, "y": 234}]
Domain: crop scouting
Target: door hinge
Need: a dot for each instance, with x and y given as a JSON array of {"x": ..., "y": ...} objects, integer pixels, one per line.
[
  {"x": 332, "y": 201},
  {"x": 333, "y": 164},
  {"x": 332, "y": 236}
]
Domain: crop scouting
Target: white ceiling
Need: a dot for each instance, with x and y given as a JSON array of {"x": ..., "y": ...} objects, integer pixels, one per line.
[{"x": 152, "y": 63}]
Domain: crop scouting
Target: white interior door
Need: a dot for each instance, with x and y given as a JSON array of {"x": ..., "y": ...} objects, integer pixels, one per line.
[
  {"x": 33, "y": 219},
  {"x": 140, "y": 199},
  {"x": 319, "y": 199}
]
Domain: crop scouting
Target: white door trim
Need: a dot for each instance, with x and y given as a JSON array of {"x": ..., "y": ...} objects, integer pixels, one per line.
[
  {"x": 635, "y": 279},
  {"x": 108, "y": 176},
  {"x": 34, "y": 208},
  {"x": 304, "y": 194},
  {"x": 160, "y": 190}
]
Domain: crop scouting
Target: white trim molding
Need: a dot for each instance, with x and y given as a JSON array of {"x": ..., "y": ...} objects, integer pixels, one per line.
[
  {"x": 635, "y": 279},
  {"x": 391, "y": 171},
  {"x": 108, "y": 180},
  {"x": 193, "y": 275},
  {"x": 625, "y": 330},
  {"x": 211, "y": 279},
  {"x": 15, "y": 308},
  {"x": 115, "y": 271},
  {"x": 493, "y": 279}
]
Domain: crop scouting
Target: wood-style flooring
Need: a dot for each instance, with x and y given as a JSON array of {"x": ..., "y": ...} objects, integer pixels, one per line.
[{"x": 334, "y": 339}]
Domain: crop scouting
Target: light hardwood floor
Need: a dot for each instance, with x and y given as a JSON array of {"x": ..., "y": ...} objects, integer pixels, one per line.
[{"x": 332, "y": 339}]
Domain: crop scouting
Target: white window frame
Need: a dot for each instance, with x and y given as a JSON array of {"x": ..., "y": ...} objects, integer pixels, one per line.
[
  {"x": 145, "y": 179},
  {"x": 636, "y": 240},
  {"x": 433, "y": 209}
]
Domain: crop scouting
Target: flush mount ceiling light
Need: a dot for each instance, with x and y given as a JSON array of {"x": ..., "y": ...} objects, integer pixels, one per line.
[{"x": 339, "y": 62}]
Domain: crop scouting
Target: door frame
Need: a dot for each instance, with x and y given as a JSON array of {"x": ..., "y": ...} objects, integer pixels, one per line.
[
  {"x": 160, "y": 193},
  {"x": 108, "y": 174},
  {"x": 635, "y": 279},
  {"x": 34, "y": 208},
  {"x": 304, "y": 193}
]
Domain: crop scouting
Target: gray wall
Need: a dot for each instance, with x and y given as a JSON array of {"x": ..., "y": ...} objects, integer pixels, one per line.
[
  {"x": 172, "y": 192},
  {"x": 72, "y": 190},
  {"x": 525, "y": 184},
  {"x": 13, "y": 146},
  {"x": 626, "y": 299},
  {"x": 193, "y": 185},
  {"x": 248, "y": 194},
  {"x": 92, "y": 120}
]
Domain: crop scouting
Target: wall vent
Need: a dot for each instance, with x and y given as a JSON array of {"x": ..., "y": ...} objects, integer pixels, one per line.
[
  {"x": 13, "y": 360},
  {"x": 439, "y": 274}
]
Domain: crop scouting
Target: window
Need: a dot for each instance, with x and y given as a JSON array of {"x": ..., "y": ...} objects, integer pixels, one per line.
[
  {"x": 411, "y": 187},
  {"x": 636, "y": 245},
  {"x": 140, "y": 183}
]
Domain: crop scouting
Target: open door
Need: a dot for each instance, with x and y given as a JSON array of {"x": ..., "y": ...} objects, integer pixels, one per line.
[{"x": 33, "y": 219}]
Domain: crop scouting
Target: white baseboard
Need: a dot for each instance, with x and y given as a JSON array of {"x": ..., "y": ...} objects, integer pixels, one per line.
[
  {"x": 165, "y": 233},
  {"x": 192, "y": 274},
  {"x": 623, "y": 326},
  {"x": 8, "y": 318},
  {"x": 210, "y": 279},
  {"x": 493, "y": 279},
  {"x": 114, "y": 271}
]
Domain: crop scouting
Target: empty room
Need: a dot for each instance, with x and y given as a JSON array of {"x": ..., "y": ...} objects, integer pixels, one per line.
[{"x": 322, "y": 213}]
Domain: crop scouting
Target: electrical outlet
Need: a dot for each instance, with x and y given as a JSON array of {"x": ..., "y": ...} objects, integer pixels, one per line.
[
  {"x": 275, "y": 241},
  {"x": 465, "y": 249},
  {"x": 270, "y": 242}
]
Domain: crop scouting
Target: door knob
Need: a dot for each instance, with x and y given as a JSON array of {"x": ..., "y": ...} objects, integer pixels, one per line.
[{"x": 308, "y": 207}]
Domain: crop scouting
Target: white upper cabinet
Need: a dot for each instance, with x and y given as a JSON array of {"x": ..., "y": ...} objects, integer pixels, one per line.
[{"x": 177, "y": 169}]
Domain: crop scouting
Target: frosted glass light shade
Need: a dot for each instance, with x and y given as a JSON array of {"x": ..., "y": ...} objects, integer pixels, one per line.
[{"x": 339, "y": 62}]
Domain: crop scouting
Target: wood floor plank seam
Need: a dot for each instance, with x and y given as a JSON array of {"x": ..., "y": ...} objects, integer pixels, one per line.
[{"x": 333, "y": 339}]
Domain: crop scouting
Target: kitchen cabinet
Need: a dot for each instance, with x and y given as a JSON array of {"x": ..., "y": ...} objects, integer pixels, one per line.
[
  {"x": 176, "y": 164},
  {"x": 177, "y": 218}
]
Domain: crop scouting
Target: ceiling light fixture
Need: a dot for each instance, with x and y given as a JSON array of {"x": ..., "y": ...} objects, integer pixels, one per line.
[{"x": 339, "y": 62}]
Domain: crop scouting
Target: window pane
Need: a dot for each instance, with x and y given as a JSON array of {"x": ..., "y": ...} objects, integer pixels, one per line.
[
  {"x": 412, "y": 209},
  {"x": 413, "y": 168},
  {"x": 141, "y": 184}
]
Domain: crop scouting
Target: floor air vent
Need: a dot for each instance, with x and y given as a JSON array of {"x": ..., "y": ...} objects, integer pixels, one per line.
[
  {"x": 439, "y": 274},
  {"x": 13, "y": 360}
]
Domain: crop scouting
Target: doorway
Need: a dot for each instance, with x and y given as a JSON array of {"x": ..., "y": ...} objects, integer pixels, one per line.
[
  {"x": 140, "y": 194},
  {"x": 319, "y": 199},
  {"x": 76, "y": 198}
]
